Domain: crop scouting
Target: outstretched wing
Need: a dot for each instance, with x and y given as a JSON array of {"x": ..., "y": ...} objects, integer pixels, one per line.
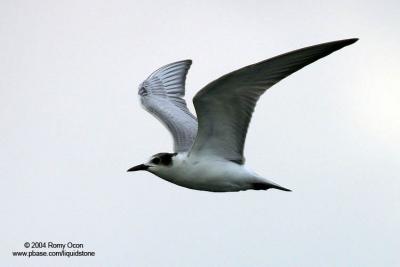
[
  {"x": 225, "y": 106},
  {"x": 162, "y": 94}
]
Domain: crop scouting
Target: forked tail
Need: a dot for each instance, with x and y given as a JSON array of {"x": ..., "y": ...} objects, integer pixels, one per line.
[{"x": 268, "y": 185}]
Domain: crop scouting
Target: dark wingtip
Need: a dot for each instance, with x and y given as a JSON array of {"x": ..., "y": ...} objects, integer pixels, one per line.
[
  {"x": 351, "y": 41},
  {"x": 336, "y": 45},
  {"x": 345, "y": 42}
]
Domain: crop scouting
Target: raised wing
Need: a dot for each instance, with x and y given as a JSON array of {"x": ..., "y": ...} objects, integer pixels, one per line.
[
  {"x": 225, "y": 106},
  {"x": 162, "y": 94}
]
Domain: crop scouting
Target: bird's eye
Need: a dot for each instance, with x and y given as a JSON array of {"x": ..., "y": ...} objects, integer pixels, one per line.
[{"x": 155, "y": 160}]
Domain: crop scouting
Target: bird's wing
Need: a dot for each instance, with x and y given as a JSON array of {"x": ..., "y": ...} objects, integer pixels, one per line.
[
  {"x": 225, "y": 106},
  {"x": 162, "y": 94}
]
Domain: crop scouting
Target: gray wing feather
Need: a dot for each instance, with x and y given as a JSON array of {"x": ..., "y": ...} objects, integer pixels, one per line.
[
  {"x": 162, "y": 94},
  {"x": 225, "y": 106}
]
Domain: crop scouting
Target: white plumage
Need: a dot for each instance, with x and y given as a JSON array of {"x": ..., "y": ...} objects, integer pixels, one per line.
[{"x": 209, "y": 150}]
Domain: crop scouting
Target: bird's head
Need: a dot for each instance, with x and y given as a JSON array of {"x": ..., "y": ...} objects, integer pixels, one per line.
[{"x": 157, "y": 163}]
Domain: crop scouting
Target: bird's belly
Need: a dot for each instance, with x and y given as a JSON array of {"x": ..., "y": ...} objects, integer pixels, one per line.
[{"x": 215, "y": 177}]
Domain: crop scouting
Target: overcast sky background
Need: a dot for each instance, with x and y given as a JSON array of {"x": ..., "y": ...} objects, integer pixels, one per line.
[{"x": 71, "y": 125}]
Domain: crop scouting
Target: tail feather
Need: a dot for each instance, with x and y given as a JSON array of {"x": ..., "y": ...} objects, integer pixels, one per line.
[{"x": 266, "y": 186}]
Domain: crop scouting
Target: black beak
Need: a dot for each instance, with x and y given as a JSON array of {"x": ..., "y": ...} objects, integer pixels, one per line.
[{"x": 140, "y": 167}]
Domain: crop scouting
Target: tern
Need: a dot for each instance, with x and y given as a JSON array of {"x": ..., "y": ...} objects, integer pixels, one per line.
[{"x": 208, "y": 151}]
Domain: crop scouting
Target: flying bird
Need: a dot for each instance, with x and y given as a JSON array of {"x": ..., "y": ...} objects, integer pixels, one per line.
[{"x": 208, "y": 151}]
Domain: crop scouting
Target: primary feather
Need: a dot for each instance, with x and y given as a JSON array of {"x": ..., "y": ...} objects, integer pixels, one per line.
[
  {"x": 225, "y": 106},
  {"x": 162, "y": 94}
]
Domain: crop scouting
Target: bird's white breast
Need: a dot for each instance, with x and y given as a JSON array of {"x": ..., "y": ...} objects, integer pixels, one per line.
[{"x": 211, "y": 174}]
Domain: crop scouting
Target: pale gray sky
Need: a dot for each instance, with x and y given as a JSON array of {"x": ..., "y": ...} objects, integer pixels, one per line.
[{"x": 71, "y": 125}]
